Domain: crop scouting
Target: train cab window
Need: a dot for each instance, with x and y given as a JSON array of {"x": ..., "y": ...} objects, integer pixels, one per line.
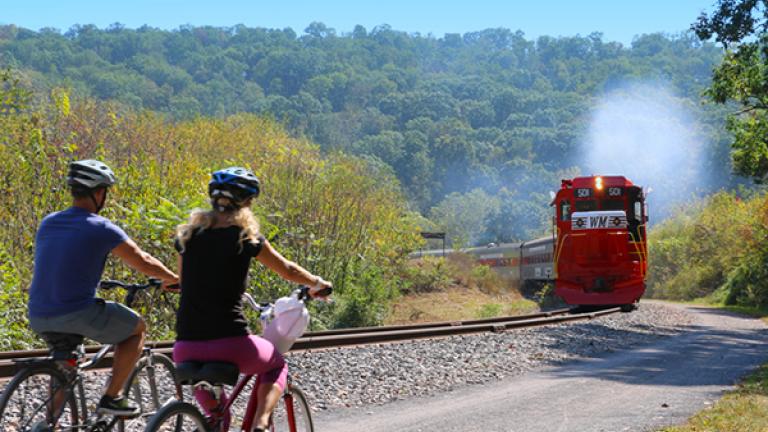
[
  {"x": 586, "y": 205},
  {"x": 635, "y": 216},
  {"x": 565, "y": 210},
  {"x": 613, "y": 205},
  {"x": 639, "y": 211}
]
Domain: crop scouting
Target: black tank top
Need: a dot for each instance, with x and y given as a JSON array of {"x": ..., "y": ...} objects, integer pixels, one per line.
[{"x": 213, "y": 279}]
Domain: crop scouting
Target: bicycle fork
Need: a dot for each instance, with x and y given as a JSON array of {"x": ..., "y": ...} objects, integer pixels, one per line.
[
  {"x": 136, "y": 384},
  {"x": 250, "y": 412}
]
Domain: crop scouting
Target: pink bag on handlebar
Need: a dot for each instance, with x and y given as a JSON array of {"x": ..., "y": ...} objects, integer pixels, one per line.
[{"x": 290, "y": 320}]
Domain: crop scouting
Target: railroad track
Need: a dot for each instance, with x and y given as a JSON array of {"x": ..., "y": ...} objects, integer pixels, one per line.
[{"x": 364, "y": 335}]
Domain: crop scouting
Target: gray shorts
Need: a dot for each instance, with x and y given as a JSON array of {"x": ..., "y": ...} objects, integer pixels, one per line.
[{"x": 104, "y": 321}]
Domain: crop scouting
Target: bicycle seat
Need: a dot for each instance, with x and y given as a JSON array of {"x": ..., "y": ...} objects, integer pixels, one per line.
[
  {"x": 213, "y": 373},
  {"x": 63, "y": 346}
]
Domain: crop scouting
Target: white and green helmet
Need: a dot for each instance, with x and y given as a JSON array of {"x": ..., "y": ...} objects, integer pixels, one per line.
[{"x": 90, "y": 174}]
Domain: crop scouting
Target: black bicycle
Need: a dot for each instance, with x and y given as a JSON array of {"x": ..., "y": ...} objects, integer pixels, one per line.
[{"x": 49, "y": 393}]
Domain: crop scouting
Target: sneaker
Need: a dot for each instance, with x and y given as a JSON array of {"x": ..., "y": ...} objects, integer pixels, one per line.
[
  {"x": 117, "y": 407},
  {"x": 41, "y": 426}
]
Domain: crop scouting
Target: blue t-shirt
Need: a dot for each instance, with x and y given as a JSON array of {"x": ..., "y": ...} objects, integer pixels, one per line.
[{"x": 71, "y": 248}]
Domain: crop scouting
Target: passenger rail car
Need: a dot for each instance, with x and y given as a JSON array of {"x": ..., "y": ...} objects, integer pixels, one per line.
[{"x": 598, "y": 252}]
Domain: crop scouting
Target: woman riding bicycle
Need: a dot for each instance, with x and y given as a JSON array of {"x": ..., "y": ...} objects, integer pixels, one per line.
[{"x": 215, "y": 249}]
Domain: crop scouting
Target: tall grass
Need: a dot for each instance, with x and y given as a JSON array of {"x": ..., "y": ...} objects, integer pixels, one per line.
[{"x": 334, "y": 214}]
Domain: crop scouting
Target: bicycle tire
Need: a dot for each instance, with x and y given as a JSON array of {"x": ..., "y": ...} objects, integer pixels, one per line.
[
  {"x": 150, "y": 388},
  {"x": 178, "y": 416},
  {"x": 34, "y": 382},
  {"x": 302, "y": 415}
]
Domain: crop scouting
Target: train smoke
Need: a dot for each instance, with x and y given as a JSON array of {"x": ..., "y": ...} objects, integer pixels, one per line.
[{"x": 644, "y": 132}]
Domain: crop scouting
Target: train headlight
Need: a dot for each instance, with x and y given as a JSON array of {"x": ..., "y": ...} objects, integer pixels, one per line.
[{"x": 599, "y": 183}]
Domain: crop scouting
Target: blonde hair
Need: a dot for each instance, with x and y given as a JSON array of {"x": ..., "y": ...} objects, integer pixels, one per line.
[{"x": 200, "y": 220}]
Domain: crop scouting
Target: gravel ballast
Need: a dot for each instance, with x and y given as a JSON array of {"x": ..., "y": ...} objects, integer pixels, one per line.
[{"x": 377, "y": 374}]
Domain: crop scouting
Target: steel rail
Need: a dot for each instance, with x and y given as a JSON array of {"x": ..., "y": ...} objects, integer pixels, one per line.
[
  {"x": 358, "y": 336},
  {"x": 13, "y": 355}
]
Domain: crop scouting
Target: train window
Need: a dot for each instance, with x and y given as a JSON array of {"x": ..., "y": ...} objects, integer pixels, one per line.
[
  {"x": 645, "y": 211},
  {"x": 613, "y": 205},
  {"x": 565, "y": 210},
  {"x": 638, "y": 211},
  {"x": 587, "y": 205}
]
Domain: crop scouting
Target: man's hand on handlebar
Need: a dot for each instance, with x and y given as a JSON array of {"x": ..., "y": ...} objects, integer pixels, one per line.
[{"x": 171, "y": 285}]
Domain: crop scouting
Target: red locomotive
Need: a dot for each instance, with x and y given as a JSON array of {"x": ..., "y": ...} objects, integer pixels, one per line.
[
  {"x": 601, "y": 250},
  {"x": 597, "y": 254}
]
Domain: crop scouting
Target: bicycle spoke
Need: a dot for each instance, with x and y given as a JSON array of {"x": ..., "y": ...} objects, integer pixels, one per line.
[
  {"x": 152, "y": 384},
  {"x": 37, "y": 399},
  {"x": 292, "y": 414},
  {"x": 178, "y": 417}
]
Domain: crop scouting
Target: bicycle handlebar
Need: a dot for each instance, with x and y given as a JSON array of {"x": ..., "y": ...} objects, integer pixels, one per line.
[
  {"x": 302, "y": 293},
  {"x": 109, "y": 284},
  {"x": 130, "y": 288}
]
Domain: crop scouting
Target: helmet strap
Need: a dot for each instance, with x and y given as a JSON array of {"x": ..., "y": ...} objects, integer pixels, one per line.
[
  {"x": 223, "y": 208},
  {"x": 98, "y": 205}
]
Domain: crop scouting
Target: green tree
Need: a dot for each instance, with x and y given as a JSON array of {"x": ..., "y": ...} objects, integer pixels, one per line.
[
  {"x": 742, "y": 78},
  {"x": 464, "y": 216}
]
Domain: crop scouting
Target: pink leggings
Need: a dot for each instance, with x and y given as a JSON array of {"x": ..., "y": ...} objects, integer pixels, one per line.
[{"x": 252, "y": 354}]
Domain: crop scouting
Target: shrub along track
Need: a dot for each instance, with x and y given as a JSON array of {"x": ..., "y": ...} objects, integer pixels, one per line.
[{"x": 365, "y": 335}]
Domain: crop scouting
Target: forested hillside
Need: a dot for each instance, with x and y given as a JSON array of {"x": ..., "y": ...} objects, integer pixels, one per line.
[{"x": 486, "y": 117}]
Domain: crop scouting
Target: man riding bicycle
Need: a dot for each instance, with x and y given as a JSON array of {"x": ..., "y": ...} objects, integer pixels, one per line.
[{"x": 71, "y": 248}]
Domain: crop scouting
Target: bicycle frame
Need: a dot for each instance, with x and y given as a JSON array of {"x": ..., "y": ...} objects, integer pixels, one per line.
[
  {"x": 74, "y": 384},
  {"x": 217, "y": 414},
  {"x": 73, "y": 369}
]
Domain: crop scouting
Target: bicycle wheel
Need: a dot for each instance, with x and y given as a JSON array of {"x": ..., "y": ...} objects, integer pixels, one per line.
[
  {"x": 177, "y": 417},
  {"x": 38, "y": 399},
  {"x": 292, "y": 406},
  {"x": 152, "y": 384}
]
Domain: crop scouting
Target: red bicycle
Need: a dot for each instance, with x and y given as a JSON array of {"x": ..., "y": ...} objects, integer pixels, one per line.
[{"x": 292, "y": 413}]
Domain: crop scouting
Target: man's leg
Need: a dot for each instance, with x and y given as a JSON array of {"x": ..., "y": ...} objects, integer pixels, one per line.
[{"x": 127, "y": 353}]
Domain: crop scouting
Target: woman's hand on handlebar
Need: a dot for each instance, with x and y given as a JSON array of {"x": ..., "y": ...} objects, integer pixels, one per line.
[{"x": 321, "y": 290}]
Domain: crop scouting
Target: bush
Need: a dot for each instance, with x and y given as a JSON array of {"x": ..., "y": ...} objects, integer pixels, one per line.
[
  {"x": 430, "y": 274},
  {"x": 715, "y": 248},
  {"x": 426, "y": 274},
  {"x": 489, "y": 310}
]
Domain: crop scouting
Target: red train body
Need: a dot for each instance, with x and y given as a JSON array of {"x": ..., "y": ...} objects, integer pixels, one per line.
[
  {"x": 601, "y": 250},
  {"x": 597, "y": 254}
]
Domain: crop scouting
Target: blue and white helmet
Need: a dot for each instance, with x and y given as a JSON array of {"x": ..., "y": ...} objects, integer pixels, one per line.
[
  {"x": 236, "y": 183},
  {"x": 90, "y": 174}
]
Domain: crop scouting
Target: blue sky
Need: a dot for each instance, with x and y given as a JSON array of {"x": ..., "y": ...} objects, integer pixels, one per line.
[{"x": 618, "y": 20}]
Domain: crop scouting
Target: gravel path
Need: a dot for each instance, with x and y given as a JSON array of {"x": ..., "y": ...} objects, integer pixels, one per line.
[
  {"x": 661, "y": 382},
  {"x": 377, "y": 374}
]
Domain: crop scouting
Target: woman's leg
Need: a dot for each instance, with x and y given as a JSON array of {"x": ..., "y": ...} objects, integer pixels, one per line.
[
  {"x": 192, "y": 351},
  {"x": 268, "y": 395},
  {"x": 261, "y": 358},
  {"x": 254, "y": 356}
]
